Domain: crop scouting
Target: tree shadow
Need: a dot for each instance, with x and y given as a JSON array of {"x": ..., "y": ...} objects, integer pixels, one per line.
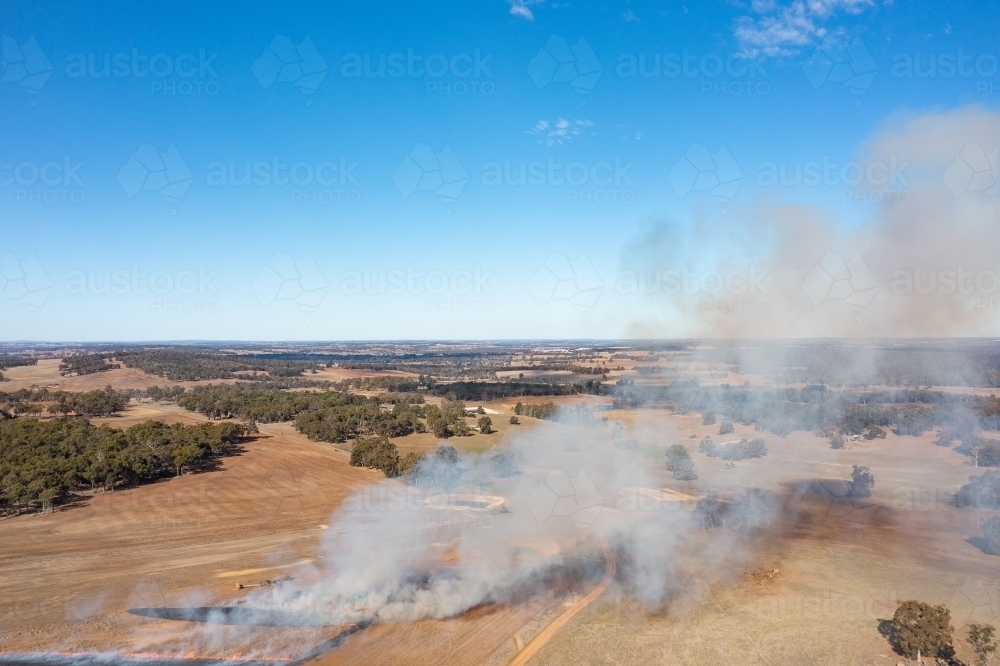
[
  {"x": 888, "y": 630},
  {"x": 980, "y": 543},
  {"x": 232, "y": 615}
]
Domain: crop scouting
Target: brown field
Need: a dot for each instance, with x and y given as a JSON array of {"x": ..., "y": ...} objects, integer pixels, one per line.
[{"x": 70, "y": 576}]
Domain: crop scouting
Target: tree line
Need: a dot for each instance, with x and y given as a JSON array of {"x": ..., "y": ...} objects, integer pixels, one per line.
[
  {"x": 328, "y": 416},
  {"x": 183, "y": 365},
  {"x": 42, "y": 462}
]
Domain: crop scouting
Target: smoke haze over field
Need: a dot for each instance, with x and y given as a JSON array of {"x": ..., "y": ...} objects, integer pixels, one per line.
[{"x": 389, "y": 556}]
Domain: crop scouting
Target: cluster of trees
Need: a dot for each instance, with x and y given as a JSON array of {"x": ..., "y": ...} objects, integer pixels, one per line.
[
  {"x": 86, "y": 364},
  {"x": 376, "y": 453},
  {"x": 544, "y": 410},
  {"x": 87, "y": 403},
  {"x": 680, "y": 464},
  {"x": 981, "y": 492},
  {"x": 386, "y": 384},
  {"x": 261, "y": 402},
  {"x": 42, "y": 462},
  {"x": 920, "y": 630},
  {"x": 354, "y": 416},
  {"x": 741, "y": 450},
  {"x": 331, "y": 416},
  {"x": 184, "y": 365},
  {"x": 447, "y": 420}
]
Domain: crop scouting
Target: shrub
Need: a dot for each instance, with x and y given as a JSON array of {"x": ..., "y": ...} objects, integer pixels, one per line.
[
  {"x": 708, "y": 418},
  {"x": 726, "y": 428},
  {"x": 514, "y": 421},
  {"x": 836, "y": 442}
]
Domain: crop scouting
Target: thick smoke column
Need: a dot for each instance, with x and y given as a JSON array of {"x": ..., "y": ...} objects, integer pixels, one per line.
[{"x": 916, "y": 257}]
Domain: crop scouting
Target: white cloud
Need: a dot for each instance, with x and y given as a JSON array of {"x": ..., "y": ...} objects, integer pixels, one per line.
[
  {"x": 780, "y": 30},
  {"x": 522, "y": 8},
  {"x": 559, "y": 131}
]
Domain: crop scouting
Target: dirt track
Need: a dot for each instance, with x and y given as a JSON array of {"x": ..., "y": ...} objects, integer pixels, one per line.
[{"x": 535, "y": 645}]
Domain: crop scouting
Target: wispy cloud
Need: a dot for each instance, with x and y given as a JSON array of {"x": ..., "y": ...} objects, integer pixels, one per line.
[
  {"x": 777, "y": 29},
  {"x": 559, "y": 131},
  {"x": 522, "y": 8}
]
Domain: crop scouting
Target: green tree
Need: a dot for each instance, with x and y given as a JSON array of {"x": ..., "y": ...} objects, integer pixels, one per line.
[
  {"x": 991, "y": 536},
  {"x": 862, "y": 482},
  {"x": 503, "y": 464},
  {"x": 726, "y": 428},
  {"x": 377, "y": 453},
  {"x": 923, "y": 630},
  {"x": 982, "y": 639},
  {"x": 709, "y": 512},
  {"x": 485, "y": 425},
  {"x": 837, "y": 442},
  {"x": 708, "y": 418}
]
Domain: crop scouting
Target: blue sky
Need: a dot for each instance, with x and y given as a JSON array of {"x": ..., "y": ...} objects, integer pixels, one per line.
[{"x": 125, "y": 129}]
